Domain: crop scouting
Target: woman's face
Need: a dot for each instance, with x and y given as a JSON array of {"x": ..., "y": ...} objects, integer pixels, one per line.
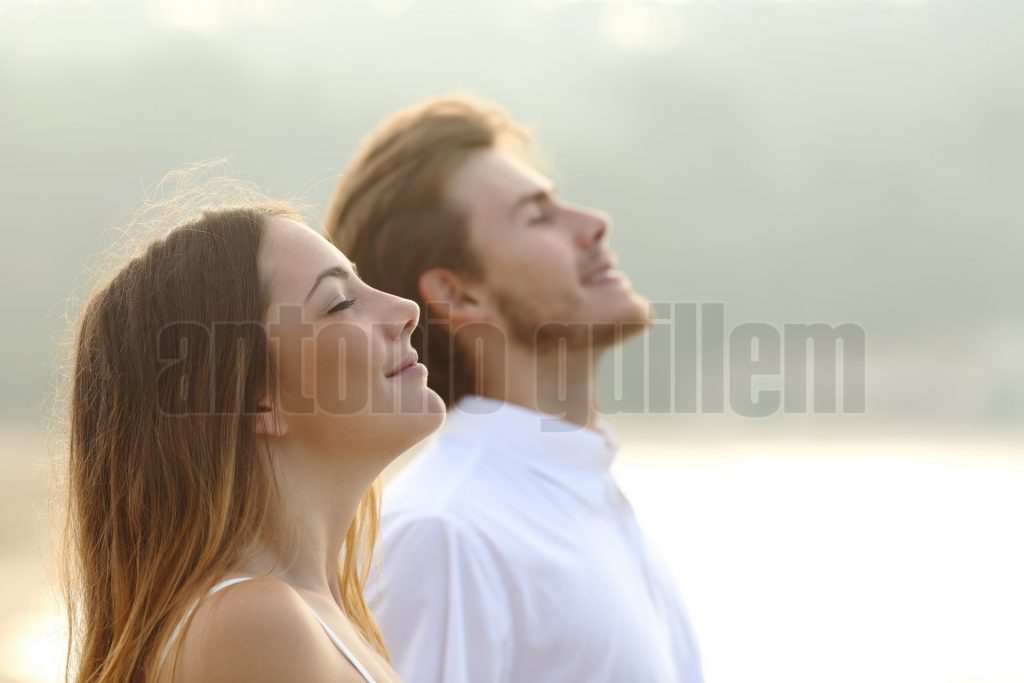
[{"x": 347, "y": 375}]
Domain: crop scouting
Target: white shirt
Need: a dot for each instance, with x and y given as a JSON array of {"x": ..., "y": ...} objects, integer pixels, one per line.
[{"x": 508, "y": 554}]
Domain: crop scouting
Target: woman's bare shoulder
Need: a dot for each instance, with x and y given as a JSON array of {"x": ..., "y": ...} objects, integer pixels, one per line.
[{"x": 261, "y": 631}]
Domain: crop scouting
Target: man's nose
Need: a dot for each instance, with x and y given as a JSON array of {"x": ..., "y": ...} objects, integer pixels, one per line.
[{"x": 593, "y": 227}]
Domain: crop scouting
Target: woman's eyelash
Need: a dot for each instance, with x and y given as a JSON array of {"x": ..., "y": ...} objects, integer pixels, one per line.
[{"x": 341, "y": 306}]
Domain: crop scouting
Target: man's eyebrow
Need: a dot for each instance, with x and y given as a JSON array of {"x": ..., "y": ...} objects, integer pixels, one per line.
[
  {"x": 333, "y": 271},
  {"x": 543, "y": 194}
]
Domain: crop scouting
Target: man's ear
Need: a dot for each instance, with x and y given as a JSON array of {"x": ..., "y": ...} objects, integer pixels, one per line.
[{"x": 450, "y": 296}]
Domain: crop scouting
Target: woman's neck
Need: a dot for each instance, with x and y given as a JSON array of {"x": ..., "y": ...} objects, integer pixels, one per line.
[{"x": 319, "y": 498}]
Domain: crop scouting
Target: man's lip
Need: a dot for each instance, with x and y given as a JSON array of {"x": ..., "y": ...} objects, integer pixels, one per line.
[
  {"x": 407, "y": 360},
  {"x": 605, "y": 264}
]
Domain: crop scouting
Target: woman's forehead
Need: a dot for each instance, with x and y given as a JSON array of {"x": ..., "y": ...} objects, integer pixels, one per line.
[{"x": 291, "y": 254}]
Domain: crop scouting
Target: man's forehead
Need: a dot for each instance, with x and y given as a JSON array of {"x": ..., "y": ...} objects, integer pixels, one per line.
[{"x": 495, "y": 178}]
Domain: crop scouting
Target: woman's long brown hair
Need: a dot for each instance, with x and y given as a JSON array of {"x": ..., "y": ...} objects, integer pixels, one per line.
[{"x": 167, "y": 482}]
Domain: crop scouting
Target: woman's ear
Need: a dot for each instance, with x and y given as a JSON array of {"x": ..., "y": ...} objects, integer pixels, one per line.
[
  {"x": 450, "y": 297},
  {"x": 269, "y": 422}
]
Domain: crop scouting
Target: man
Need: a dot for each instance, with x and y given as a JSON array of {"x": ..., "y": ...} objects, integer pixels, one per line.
[{"x": 508, "y": 553}]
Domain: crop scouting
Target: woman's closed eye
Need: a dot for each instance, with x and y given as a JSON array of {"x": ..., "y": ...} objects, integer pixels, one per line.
[{"x": 341, "y": 306}]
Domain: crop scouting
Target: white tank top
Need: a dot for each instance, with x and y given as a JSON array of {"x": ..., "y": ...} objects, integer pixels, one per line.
[{"x": 327, "y": 629}]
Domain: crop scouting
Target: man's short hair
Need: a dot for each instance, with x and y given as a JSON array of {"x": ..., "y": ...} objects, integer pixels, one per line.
[{"x": 391, "y": 216}]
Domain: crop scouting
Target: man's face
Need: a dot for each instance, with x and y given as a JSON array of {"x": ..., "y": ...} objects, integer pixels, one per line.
[{"x": 544, "y": 260}]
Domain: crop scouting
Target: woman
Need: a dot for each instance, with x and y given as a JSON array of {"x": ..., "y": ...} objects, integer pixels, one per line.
[{"x": 236, "y": 390}]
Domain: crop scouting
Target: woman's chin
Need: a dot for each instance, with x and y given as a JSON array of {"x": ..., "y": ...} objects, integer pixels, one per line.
[
  {"x": 420, "y": 416},
  {"x": 414, "y": 430},
  {"x": 434, "y": 412}
]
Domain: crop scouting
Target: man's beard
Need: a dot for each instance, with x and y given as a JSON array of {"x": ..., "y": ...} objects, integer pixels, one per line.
[{"x": 545, "y": 330}]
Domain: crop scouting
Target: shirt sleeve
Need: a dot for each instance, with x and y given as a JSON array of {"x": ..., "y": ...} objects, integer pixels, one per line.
[{"x": 441, "y": 604}]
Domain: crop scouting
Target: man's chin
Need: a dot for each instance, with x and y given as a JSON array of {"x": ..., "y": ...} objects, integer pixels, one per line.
[
  {"x": 613, "y": 333},
  {"x": 628, "y": 320},
  {"x": 615, "y": 321}
]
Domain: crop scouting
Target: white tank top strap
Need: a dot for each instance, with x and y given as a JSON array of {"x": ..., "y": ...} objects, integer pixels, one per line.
[
  {"x": 176, "y": 633},
  {"x": 228, "y": 582},
  {"x": 338, "y": 642}
]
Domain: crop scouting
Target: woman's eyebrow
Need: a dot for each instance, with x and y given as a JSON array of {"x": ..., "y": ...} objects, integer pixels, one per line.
[{"x": 333, "y": 271}]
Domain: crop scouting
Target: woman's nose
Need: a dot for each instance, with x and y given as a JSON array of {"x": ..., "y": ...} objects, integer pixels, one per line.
[{"x": 407, "y": 316}]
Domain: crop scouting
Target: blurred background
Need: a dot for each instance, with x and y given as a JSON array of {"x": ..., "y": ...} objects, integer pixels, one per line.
[{"x": 801, "y": 161}]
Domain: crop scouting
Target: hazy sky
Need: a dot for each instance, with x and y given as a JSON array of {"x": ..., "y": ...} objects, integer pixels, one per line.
[{"x": 833, "y": 161}]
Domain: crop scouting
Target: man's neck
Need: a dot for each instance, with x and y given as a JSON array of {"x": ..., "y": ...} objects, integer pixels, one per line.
[{"x": 561, "y": 385}]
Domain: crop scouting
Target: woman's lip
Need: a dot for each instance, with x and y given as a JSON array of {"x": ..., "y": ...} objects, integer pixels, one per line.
[
  {"x": 414, "y": 367},
  {"x": 409, "y": 360}
]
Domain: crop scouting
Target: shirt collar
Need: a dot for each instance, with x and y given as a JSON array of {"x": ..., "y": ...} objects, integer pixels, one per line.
[{"x": 548, "y": 441}]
